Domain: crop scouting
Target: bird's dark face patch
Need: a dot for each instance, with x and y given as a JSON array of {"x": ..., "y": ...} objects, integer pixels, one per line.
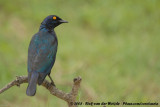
[{"x": 52, "y": 21}]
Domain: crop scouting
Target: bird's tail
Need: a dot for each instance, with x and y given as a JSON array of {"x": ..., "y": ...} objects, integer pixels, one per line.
[{"x": 32, "y": 84}]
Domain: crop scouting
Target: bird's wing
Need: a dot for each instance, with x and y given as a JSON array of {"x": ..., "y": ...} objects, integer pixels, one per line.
[{"x": 41, "y": 53}]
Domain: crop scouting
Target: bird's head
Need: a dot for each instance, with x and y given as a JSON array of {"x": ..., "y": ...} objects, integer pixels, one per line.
[{"x": 50, "y": 22}]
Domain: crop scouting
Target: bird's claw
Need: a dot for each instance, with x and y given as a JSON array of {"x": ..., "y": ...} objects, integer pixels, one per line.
[{"x": 52, "y": 83}]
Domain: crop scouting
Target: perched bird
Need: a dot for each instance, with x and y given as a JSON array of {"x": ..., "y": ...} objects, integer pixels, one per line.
[{"x": 42, "y": 53}]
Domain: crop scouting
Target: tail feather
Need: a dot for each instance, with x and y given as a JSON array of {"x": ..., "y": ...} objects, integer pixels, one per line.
[{"x": 31, "y": 89}]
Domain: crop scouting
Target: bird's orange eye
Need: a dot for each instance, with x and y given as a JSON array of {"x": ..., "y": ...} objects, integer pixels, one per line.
[{"x": 54, "y": 18}]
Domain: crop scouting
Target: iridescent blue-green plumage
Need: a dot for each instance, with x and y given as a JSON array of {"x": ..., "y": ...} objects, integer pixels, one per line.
[{"x": 42, "y": 53}]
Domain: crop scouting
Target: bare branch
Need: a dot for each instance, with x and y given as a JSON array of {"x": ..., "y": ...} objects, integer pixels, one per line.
[{"x": 70, "y": 98}]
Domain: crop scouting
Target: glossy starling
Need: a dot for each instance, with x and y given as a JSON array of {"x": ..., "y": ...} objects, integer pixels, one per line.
[{"x": 42, "y": 53}]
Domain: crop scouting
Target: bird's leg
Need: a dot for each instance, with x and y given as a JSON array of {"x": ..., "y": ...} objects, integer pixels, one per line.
[{"x": 52, "y": 82}]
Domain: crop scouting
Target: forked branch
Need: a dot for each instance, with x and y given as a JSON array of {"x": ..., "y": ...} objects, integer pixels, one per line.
[{"x": 70, "y": 98}]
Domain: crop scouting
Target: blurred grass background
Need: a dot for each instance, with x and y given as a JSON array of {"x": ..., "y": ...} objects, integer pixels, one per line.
[{"x": 114, "y": 45}]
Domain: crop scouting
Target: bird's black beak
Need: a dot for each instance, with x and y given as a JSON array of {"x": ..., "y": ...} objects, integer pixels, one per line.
[{"x": 63, "y": 21}]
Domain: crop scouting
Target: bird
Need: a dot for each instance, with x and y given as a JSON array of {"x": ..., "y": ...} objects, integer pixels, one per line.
[{"x": 42, "y": 53}]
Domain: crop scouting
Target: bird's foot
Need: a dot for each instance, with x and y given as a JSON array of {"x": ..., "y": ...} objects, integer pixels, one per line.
[{"x": 52, "y": 83}]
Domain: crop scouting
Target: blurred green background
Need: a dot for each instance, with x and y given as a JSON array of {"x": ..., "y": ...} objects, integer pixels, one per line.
[{"x": 114, "y": 45}]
